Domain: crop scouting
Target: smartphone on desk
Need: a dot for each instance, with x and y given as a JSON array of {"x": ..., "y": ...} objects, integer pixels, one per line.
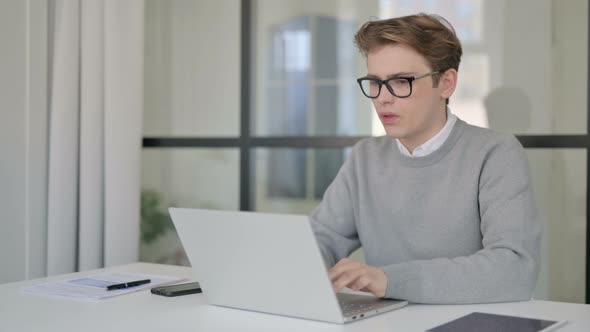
[{"x": 178, "y": 289}]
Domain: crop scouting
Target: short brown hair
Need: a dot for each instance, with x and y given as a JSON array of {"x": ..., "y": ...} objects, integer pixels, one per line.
[{"x": 430, "y": 35}]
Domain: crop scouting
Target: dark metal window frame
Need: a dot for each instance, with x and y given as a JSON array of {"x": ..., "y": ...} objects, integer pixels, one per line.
[{"x": 246, "y": 142}]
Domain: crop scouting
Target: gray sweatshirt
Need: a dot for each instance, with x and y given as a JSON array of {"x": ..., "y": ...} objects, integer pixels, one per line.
[{"x": 456, "y": 226}]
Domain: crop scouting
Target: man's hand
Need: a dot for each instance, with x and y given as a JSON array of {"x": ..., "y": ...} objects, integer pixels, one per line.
[{"x": 358, "y": 277}]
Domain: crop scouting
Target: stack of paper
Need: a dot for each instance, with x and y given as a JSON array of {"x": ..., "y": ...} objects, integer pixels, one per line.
[{"x": 94, "y": 287}]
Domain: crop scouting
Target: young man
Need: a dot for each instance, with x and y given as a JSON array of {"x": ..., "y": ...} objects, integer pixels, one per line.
[{"x": 444, "y": 210}]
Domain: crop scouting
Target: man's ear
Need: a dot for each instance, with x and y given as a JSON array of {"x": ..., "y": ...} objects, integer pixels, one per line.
[{"x": 448, "y": 83}]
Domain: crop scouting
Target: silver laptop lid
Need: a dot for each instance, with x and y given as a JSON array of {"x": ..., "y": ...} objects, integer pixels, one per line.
[{"x": 258, "y": 261}]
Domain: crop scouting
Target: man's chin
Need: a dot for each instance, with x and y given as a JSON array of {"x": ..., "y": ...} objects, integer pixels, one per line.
[{"x": 394, "y": 133}]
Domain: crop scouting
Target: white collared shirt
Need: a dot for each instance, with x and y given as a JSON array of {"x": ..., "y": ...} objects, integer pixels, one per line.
[{"x": 435, "y": 142}]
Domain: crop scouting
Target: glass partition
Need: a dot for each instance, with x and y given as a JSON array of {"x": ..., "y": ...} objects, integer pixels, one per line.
[{"x": 305, "y": 65}]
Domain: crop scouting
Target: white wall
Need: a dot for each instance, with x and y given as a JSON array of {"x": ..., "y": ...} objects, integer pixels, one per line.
[
  {"x": 570, "y": 65},
  {"x": 23, "y": 119},
  {"x": 192, "y": 68},
  {"x": 192, "y": 88}
]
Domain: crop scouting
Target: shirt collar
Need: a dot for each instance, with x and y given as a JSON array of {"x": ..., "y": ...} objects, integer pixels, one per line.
[{"x": 433, "y": 143}]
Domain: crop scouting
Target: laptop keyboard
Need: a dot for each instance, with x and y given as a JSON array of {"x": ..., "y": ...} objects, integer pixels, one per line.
[
  {"x": 349, "y": 309},
  {"x": 359, "y": 306}
]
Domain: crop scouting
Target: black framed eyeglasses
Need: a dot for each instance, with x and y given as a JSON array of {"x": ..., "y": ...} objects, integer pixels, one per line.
[{"x": 400, "y": 87}]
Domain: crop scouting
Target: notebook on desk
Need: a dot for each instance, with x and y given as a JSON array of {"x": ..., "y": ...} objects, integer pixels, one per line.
[{"x": 267, "y": 263}]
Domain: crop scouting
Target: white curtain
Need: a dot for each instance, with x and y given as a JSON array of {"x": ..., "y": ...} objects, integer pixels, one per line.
[{"x": 96, "y": 102}]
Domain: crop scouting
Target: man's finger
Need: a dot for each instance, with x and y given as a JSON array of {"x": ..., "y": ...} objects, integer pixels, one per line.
[
  {"x": 346, "y": 279},
  {"x": 342, "y": 266},
  {"x": 361, "y": 284}
]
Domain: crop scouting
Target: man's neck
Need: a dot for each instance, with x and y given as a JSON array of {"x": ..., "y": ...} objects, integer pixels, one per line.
[{"x": 412, "y": 143}]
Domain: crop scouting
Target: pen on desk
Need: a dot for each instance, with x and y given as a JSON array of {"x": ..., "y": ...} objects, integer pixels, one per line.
[{"x": 128, "y": 284}]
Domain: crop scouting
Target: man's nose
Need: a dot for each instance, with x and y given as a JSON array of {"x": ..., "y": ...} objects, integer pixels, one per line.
[{"x": 385, "y": 96}]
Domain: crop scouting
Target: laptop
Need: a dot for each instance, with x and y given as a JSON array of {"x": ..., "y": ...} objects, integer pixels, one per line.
[{"x": 267, "y": 263}]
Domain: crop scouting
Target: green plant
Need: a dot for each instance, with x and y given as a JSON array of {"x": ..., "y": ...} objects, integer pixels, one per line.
[{"x": 154, "y": 222}]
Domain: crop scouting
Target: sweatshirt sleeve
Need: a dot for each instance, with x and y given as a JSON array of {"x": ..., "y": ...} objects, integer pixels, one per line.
[
  {"x": 333, "y": 220},
  {"x": 507, "y": 267}
]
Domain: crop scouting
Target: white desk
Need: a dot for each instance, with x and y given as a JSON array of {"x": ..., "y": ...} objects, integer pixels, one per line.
[{"x": 144, "y": 312}]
